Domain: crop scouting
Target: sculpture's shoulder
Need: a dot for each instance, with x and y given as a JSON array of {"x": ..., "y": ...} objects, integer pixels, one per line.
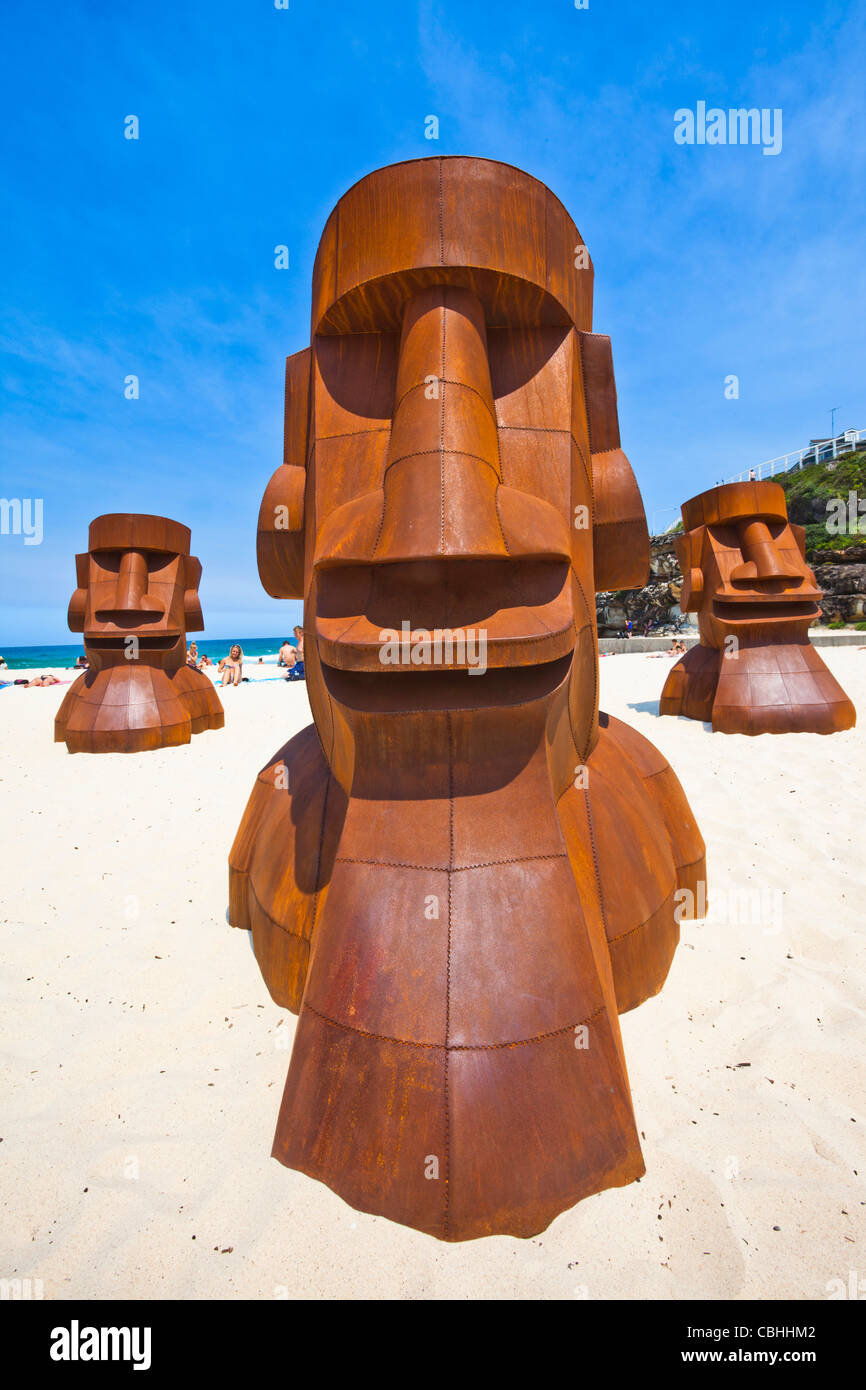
[
  {"x": 199, "y": 697},
  {"x": 690, "y": 688},
  {"x": 627, "y": 821},
  {"x": 281, "y": 860}
]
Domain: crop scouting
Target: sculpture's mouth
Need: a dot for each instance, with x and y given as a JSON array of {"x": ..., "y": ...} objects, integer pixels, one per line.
[
  {"x": 760, "y": 608},
  {"x": 146, "y": 642},
  {"x": 430, "y": 618},
  {"x": 443, "y": 689}
]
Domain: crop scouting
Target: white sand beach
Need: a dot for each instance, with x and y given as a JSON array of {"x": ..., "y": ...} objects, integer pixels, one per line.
[{"x": 143, "y": 1060}]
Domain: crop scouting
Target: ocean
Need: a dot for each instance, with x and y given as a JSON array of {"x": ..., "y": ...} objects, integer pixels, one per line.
[{"x": 31, "y": 658}]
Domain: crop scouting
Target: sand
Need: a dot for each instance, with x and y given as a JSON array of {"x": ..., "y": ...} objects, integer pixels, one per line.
[{"x": 143, "y": 1061}]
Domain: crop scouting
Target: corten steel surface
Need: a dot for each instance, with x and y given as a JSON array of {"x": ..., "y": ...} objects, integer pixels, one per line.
[
  {"x": 457, "y": 879},
  {"x": 137, "y": 581},
  {"x": 745, "y": 575}
]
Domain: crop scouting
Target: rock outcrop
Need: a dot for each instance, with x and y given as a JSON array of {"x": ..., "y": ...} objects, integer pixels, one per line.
[{"x": 840, "y": 573}]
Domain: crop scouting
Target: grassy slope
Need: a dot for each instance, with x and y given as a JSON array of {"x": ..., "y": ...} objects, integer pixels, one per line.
[{"x": 809, "y": 490}]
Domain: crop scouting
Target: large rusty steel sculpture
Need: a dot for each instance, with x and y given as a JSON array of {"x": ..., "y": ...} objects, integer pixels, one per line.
[
  {"x": 463, "y": 870},
  {"x": 745, "y": 575},
  {"x": 137, "y": 597}
]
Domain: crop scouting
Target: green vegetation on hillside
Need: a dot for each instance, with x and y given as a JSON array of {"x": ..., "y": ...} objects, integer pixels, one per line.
[{"x": 810, "y": 489}]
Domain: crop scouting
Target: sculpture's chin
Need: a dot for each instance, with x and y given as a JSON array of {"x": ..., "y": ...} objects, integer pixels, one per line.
[{"x": 437, "y": 688}]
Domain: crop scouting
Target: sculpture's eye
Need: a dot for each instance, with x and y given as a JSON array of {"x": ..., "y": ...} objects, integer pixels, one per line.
[
  {"x": 158, "y": 560},
  {"x": 111, "y": 560},
  {"x": 108, "y": 560}
]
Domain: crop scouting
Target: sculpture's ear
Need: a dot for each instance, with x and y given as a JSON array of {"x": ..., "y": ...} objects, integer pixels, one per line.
[
  {"x": 688, "y": 548},
  {"x": 280, "y": 538},
  {"x": 192, "y": 614},
  {"x": 620, "y": 539},
  {"x": 799, "y": 533},
  {"x": 78, "y": 602}
]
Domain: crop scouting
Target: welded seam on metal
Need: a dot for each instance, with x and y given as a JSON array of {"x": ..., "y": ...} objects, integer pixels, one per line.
[
  {"x": 441, "y": 405},
  {"x": 446, "y": 1098},
  {"x": 446, "y": 381},
  {"x": 458, "y": 1047},
  {"x": 443, "y": 868},
  {"x": 442, "y": 452}
]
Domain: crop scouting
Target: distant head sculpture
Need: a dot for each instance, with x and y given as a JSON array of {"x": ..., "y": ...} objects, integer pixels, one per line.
[
  {"x": 137, "y": 597},
  {"x": 487, "y": 868},
  {"x": 745, "y": 575}
]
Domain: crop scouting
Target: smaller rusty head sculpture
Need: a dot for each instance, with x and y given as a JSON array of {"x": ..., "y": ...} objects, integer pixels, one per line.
[
  {"x": 137, "y": 597},
  {"x": 745, "y": 575}
]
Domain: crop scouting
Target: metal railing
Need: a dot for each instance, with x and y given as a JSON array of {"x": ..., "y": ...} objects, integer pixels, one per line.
[
  {"x": 664, "y": 519},
  {"x": 822, "y": 451}
]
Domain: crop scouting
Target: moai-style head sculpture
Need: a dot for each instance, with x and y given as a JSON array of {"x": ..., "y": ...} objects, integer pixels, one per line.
[
  {"x": 746, "y": 577},
  {"x": 487, "y": 864},
  {"x": 137, "y": 597},
  {"x": 452, "y": 452}
]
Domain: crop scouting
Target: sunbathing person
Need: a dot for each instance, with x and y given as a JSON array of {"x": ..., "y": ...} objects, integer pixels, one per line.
[
  {"x": 675, "y": 649},
  {"x": 47, "y": 679},
  {"x": 232, "y": 666}
]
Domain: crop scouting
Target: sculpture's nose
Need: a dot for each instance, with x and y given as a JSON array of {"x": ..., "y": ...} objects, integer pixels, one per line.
[
  {"x": 762, "y": 559},
  {"x": 443, "y": 462},
  {"x": 131, "y": 599},
  {"x": 444, "y": 543}
]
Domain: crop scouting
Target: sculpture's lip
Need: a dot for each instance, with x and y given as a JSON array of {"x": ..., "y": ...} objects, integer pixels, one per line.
[
  {"x": 424, "y": 689},
  {"x": 423, "y": 651},
  {"x": 444, "y": 614},
  {"x": 749, "y": 608},
  {"x": 117, "y": 642}
]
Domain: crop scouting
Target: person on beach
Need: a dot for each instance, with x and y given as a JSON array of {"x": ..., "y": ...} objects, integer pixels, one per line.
[
  {"x": 47, "y": 679},
  {"x": 232, "y": 666},
  {"x": 81, "y": 663},
  {"x": 296, "y": 670},
  {"x": 192, "y": 657},
  {"x": 3, "y": 666},
  {"x": 204, "y": 661},
  {"x": 286, "y": 655},
  {"x": 676, "y": 648}
]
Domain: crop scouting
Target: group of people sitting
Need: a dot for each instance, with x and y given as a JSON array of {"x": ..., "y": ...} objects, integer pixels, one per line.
[
  {"x": 231, "y": 667},
  {"x": 198, "y": 663},
  {"x": 677, "y": 648}
]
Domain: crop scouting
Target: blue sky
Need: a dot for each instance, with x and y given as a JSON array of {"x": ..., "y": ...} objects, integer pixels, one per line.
[{"x": 156, "y": 257}]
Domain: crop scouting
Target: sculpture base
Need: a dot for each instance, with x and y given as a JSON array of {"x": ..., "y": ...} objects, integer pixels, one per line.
[
  {"x": 136, "y": 708},
  {"x": 458, "y": 964},
  {"x": 772, "y": 689}
]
